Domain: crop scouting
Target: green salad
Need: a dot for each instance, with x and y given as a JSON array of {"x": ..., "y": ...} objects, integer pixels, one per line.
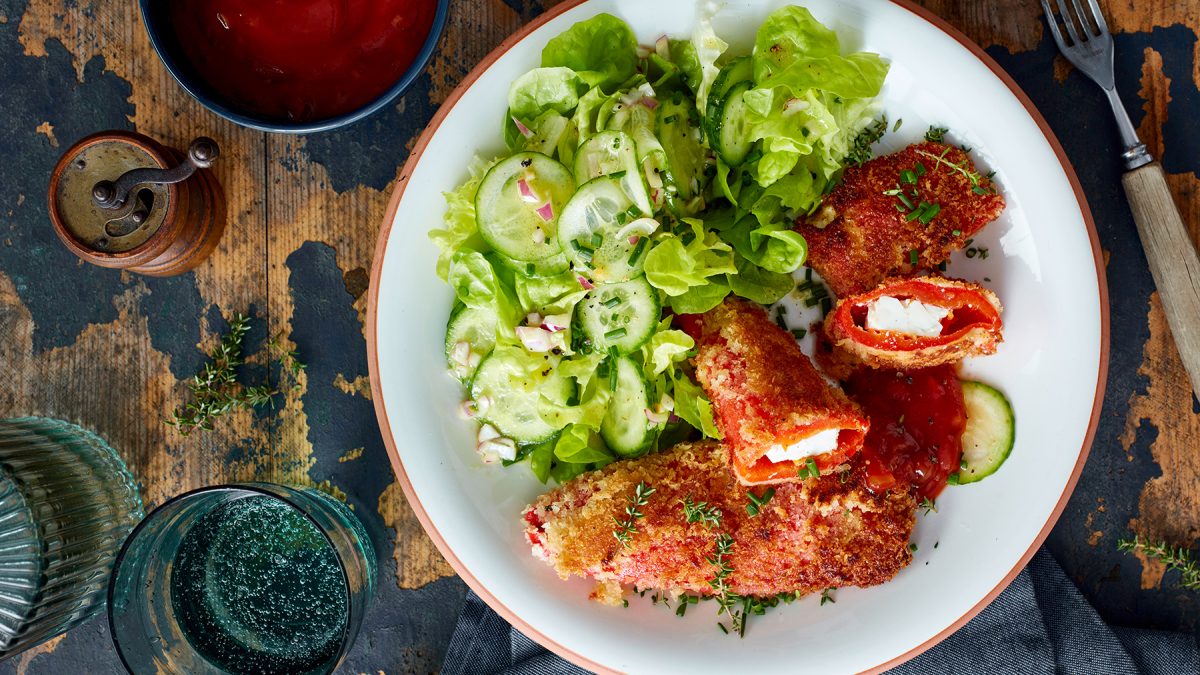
[{"x": 640, "y": 182}]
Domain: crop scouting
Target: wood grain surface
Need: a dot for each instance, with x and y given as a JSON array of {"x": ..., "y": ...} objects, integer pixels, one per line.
[{"x": 111, "y": 350}]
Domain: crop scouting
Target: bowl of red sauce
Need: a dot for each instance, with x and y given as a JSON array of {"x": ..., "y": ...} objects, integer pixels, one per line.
[{"x": 294, "y": 66}]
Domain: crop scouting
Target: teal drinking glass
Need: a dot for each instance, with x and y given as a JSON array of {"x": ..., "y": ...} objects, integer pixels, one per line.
[
  {"x": 67, "y": 502},
  {"x": 252, "y": 578}
]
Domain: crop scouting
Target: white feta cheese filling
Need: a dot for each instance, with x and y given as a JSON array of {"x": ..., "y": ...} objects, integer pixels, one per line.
[
  {"x": 911, "y": 317},
  {"x": 817, "y": 444}
]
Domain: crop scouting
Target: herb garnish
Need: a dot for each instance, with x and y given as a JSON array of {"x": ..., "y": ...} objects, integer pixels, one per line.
[
  {"x": 809, "y": 469},
  {"x": 727, "y": 600},
  {"x": 827, "y": 596},
  {"x": 701, "y": 512},
  {"x": 979, "y": 251},
  {"x": 936, "y": 134},
  {"x": 216, "y": 390},
  {"x": 976, "y": 180},
  {"x": 860, "y": 151},
  {"x": 1174, "y": 557},
  {"x": 928, "y": 505},
  {"x": 628, "y": 527},
  {"x": 756, "y": 503}
]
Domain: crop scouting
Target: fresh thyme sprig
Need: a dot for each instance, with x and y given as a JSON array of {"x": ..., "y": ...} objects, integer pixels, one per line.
[
  {"x": 701, "y": 512},
  {"x": 927, "y": 505},
  {"x": 289, "y": 359},
  {"x": 936, "y": 134},
  {"x": 216, "y": 391},
  {"x": 1174, "y": 557},
  {"x": 756, "y": 503},
  {"x": 974, "y": 177},
  {"x": 628, "y": 527},
  {"x": 727, "y": 600},
  {"x": 827, "y": 596},
  {"x": 860, "y": 151}
]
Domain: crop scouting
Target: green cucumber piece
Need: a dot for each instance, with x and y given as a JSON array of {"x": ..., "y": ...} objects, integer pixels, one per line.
[
  {"x": 990, "y": 433},
  {"x": 515, "y": 393},
  {"x": 621, "y": 316},
  {"x": 595, "y": 228},
  {"x": 681, "y": 142},
  {"x": 613, "y": 153},
  {"x": 477, "y": 327},
  {"x": 625, "y": 428},
  {"x": 510, "y": 223},
  {"x": 730, "y": 140}
]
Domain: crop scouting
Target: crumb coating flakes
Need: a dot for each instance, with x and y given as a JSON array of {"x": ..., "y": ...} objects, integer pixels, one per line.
[
  {"x": 766, "y": 392},
  {"x": 811, "y": 536},
  {"x": 858, "y": 237}
]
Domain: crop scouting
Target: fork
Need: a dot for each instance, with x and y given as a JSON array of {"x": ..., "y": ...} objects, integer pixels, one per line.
[{"x": 1174, "y": 264}]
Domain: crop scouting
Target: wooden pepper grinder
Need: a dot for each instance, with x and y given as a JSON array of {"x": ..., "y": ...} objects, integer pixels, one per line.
[{"x": 122, "y": 200}]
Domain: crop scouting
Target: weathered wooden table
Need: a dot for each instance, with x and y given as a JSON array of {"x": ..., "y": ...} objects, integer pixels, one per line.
[{"x": 111, "y": 350}]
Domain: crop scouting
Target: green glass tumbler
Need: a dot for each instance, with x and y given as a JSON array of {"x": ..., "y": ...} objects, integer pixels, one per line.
[
  {"x": 67, "y": 502},
  {"x": 249, "y": 578}
]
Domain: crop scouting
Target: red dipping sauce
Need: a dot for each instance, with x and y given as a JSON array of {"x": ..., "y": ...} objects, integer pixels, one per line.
[
  {"x": 300, "y": 60},
  {"x": 917, "y": 421}
]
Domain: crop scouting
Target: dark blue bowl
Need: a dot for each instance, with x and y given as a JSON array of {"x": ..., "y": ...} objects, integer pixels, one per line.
[{"x": 163, "y": 38}]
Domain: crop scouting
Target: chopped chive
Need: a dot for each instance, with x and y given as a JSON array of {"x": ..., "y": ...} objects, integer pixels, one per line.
[
  {"x": 782, "y": 310},
  {"x": 637, "y": 250},
  {"x": 670, "y": 119},
  {"x": 597, "y": 240},
  {"x": 826, "y": 305},
  {"x": 723, "y": 628},
  {"x": 908, "y": 177},
  {"x": 804, "y": 286},
  {"x": 912, "y": 547},
  {"x": 617, "y": 175},
  {"x": 682, "y": 609},
  {"x": 632, "y": 211},
  {"x": 688, "y": 237},
  {"x": 953, "y": 479},
  {"x": 971, "y": 252},
  {"x": 930, "y": 212},
  {"x": 942, "y": 266},
  {"x": 979, "y": 190},
  {"x": 529, "y": 269},
  {"x": 906, "y": 201},
  {"x": 622, "y": 218},
  {"x": 912, "y": 257},
  {"x": 811, "y": 301},
  {"x": 808, "y": 274},
  {"x": 898, "y": 124},
  {"x": 913, "y": 216},
  {"x": 615, "y": 334},
  {"x": 957, "y": 233},
  {"x": 799, "y": 333},
  {"x": 612, "y": 302}
]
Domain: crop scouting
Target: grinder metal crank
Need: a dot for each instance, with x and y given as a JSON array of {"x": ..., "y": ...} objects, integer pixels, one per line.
[{"x": 122, "y": 200}]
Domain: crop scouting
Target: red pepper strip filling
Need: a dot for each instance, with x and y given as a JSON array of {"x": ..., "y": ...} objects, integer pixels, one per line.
[{"x": 968, "y": 308}]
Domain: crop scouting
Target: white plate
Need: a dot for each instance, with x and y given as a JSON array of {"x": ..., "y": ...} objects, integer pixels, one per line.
[{"x": 1043, "y": 264}]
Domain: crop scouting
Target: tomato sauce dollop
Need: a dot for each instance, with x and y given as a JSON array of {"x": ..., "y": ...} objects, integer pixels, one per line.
[
  {"x": 301, "y": 60},
  {"x": 917, "y": 421}
]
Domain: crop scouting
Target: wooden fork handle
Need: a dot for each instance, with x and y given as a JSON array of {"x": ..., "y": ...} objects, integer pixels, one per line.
[{"x": 1172, "y": 257}]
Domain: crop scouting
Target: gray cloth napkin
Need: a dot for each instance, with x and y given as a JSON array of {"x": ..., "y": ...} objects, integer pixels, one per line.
[{"x": 1039, "y": 624}]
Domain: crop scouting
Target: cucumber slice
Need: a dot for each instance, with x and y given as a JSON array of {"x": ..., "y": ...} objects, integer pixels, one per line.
[
  {"x": 548, "y": 130},
  {"x": 990, "y": 433},
  {"x": 730, "y": 140},
  {"x": 625, "y": 428},
  {"x": 613, "y": 152},
  {"x": 510, "y": 222},
  {"x": 595, "y": 229},
  {"x": 475, "y": 326},
  {"x": 621, "y": 316},
  {"x": 515, "y": 391},
  {"x": 736, "y": 71},
  {"x": 679, "y": 132}
]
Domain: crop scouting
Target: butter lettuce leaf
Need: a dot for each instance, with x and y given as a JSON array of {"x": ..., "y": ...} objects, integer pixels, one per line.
[
  {"x": 673, "y": 267},
  {"x": 601, "y": 50}
]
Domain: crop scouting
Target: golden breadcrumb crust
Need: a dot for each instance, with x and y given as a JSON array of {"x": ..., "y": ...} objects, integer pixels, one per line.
[
  {"x": 766, "y": 392},
  {"x": 859, "y": 237},
  {"x": 810, "y": 536}
]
